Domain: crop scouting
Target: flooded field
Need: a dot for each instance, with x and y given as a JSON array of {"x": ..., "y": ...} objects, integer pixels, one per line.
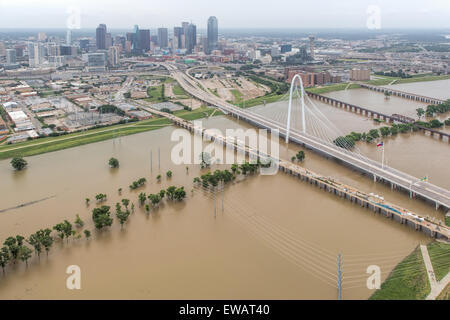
[{"x": 274, "y": 229}]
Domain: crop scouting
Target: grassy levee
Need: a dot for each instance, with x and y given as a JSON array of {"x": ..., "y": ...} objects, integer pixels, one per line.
[
  {"x": 383, "y": 82},
  {"x": 237, "y": 95},
  {"x": 51, "y": 144},
  {"x": 440, "y": 259},
  {"x": 445, "y": 294},
  {"x": 408, "y": 281},
  {"x": 270, "y": 98},
  {"x": 333, "y": 87},
  {"x": 214, "y": 92}
]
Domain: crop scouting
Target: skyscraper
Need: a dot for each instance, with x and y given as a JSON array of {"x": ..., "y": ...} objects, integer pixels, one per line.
[
  {"x": 135, "y": 42},
  {"x": 108, "y": 40},
  {"x": 101, "y": 37},
  {"x": 53, "y": 49},
  {"x": 42, "y": 36},
  {"x": 191, "y": 37},
  {"x": 38, "y": 56},
  {"x": 69, "y": 37},
  {"x": 311, "y": 46},
  {"x": 213, "y": 34},
  {"x": 30, "y": 47},
  {"x": 144, "y": 40},
  {"x": 84, "y": 45},
  {"x": 177, "y": 33},
  {"x": 11, "y": 56},
  {"x": 2, "y": 49},
  {"x": 113, "y": 56},
  {"x": 163, "y": 37}
]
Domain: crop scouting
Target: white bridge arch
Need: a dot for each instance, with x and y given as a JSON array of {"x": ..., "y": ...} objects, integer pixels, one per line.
[{"x": 288, "y": 126}]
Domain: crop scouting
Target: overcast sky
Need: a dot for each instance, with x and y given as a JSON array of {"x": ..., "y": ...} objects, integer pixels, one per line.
[{"x": 231, "y": 13}]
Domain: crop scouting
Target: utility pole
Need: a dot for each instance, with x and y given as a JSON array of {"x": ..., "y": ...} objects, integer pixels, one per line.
[
  {"x": 339, "y": 283},
  {"x": 223, "y": 197},
  {"x": 215, "y": 203}
]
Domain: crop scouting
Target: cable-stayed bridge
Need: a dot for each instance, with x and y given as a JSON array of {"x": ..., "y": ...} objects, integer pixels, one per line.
[{"x": 306, "y": 125}]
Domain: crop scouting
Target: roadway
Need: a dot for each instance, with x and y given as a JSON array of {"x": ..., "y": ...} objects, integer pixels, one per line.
[{"x": 428, "y": 191}]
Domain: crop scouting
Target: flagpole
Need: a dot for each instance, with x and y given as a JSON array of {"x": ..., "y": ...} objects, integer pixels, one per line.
[{"x": 382, "y": 160}]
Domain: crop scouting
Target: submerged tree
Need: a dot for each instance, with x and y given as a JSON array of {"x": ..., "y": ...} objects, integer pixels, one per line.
[
  {"x": 126, "y": 203},
  {"x": 78, "y": 222},
  {"x": 122, "y": 216},
  {"x": 4, "y": 258},
  {"x": 25, "y": 254},
  {"x": 35, "y": 241},
  {"x": 155, "y": 199},
  {"x": 14, "y": 244},
  {"x": 301, "y": 156},
  {"x": 113, "y": 163},
  {"x": 142, "y": 197},
  {"x": 65, "y": 230},
  {"x": 18, "y": 163},
  {"x": 102, "y": 217}
]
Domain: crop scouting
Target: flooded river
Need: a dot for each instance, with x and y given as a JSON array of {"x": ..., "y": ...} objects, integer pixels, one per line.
[
  {"x": 435, "y": 89},
  {"x": 393, "y": 105},
  {"x": 278, "y": 238},
  {"x": 414, "y": 153}
]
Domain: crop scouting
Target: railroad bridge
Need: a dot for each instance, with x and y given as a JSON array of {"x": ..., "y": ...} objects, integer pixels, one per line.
[
  {"x": 402, "y": 94},
  {"x": 377, "y": 115}
]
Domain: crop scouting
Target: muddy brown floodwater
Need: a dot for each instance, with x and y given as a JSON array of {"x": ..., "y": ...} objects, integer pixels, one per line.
[
  {"x": 278, "y": 238},
  {"x": 436, "y": 89},
  {"x": 376, "y": 101}
]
